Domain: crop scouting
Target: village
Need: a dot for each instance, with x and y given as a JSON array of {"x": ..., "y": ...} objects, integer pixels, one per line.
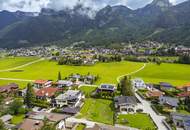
[
  {"x": 61, "y": 103},
  {"x": 86, "y": 101}
]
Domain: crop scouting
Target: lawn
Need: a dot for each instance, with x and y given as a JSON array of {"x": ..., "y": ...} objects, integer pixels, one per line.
[
  {"x": 141, "y": 121},
  {"x": 98, "y": 110},
  {"x": 17, "y": 119},
  {"x": 87, "y": 90},
  {"x": 183, "y": 112},
  {"x": 80, "y": 127},
  {"x": 176, "y": 74},
  {"x": 11, "y": 62}
]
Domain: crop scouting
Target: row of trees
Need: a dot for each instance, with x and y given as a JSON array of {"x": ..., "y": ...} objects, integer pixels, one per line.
[
  {"x": 69, "y": 61},
  {"x": 184, "y": 59},
  {"x": 104, "y": 58}
]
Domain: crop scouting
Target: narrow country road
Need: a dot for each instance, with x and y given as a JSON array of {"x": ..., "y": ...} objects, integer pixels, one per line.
[
  {"x": 13, "y": 79},
  {"x": 146, "y": 105},
  {"x": 131, "y": 73},
  {"x": 22, "y": 66},
  {"x": 148, "y": 109}
]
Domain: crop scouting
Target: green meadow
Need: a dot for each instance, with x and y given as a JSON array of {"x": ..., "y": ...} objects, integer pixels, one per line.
[
  {"x": 176, "y": 74},
  {"x": 99, "y": 110},
  {"x": 141, "y": 121},
  {"x": 108, "y": 72},
  {"x": 11, "y": 62}
]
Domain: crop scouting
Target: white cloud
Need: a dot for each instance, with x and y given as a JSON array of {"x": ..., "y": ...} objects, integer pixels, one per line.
[{"x": 36, "y": 5}]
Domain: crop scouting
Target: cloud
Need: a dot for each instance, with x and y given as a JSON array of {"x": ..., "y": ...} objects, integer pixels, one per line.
[{"x": 36, "y": 5}]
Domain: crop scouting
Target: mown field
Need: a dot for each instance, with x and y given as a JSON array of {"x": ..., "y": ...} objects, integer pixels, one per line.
[
  {"x": 108, "y": 72},
  {"x": 176, "y": 74},
  {"x": 98, "y": 110},
  {"x": 141, "y": 121},
  {"x": 11, "y": 62}
]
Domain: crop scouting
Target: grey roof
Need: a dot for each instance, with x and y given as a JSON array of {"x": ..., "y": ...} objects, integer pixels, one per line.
[
  {"x": 179, "y": 116},
  {"x": 69, "y": 95},
  {"x": 170, "y": 100},
  {"x": 70, "y": 110},
  {"x": 6, "y": 118},
  {"x": 125, "y": 100},
  {"x": 107, "y": 87}
]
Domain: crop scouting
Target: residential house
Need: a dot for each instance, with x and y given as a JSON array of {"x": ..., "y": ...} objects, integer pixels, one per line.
[
  {"x": 6, "y": 118},
  {"x": 154, "y": 93},
  {"x": 22, "y": 92},
  {"x": 185, "y": 87},
  {"x": 181, "y": 120},
  {"x": 31, "y": 124},
  {"x": 46, "y": 93},
  {"x": 169, "y": 102},
  {"x": 166, "y": 86},
  {"x": 139, "y": 83},
  {"x": 71, "y": 98},
  {"x": 71, "y": 110},
  {"x": 126, "y": 104},
  {"x": 34, "y": 120},
  {"x": 42, "y": 84},
  {"x": 184, "y": 95},
  {"x": 64, "y": 83},
  {"x": 106, "y": 88},
  {"x": 9, "y": 89}
]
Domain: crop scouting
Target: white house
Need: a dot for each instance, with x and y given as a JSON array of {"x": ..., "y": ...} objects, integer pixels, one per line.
[
  {"x": 126, "y": 104},
  {"x": 64, "y": 83},
  {"x": 71, "y": 98},
  {"x": 139, "y": 83}
]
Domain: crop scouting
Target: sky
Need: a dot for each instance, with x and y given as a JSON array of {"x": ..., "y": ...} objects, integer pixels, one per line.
[{"x": 36, "y": 5}]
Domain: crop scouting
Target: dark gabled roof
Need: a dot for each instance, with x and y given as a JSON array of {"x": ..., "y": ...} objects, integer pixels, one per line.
[
  {"x": 167, "y": 85},
  {"x": 125, "y": 100},
  {"x": 179, "y": 116},
  {"x": 170, "y": 100},
  {"x": 70, "y": 110},
  {"x": 9, "y": 87}
]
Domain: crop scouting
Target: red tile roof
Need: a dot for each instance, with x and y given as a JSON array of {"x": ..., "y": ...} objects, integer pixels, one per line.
[
  {"x": 154, "y": 93},
  {"x": 184, "y": 94},
  {"x": 184, "y": 86},
  {"x": 41, "y": 81},
  {"x": 48, "y": 92}
]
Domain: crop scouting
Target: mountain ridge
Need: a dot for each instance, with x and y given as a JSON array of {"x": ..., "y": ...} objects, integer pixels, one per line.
[{"x": 158, "y": 21}]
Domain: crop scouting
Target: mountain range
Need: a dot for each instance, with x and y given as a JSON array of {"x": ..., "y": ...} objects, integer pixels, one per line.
[{"x": 159, "y": 21}]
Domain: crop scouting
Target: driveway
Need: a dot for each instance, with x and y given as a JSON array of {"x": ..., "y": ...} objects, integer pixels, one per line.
[{"x": 148, "y": 109}]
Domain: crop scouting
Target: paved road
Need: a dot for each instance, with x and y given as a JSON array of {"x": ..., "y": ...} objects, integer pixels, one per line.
[
  {"x": 22, "y": 66},
  {"x": 148, "y": 109},
  {"x": 147, "y": 106}
]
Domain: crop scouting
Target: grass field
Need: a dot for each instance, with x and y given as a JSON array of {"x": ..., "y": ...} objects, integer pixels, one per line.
[
  {"x": 11, "y": 62},
  {"x": 87, "y": 90},
  {"x": 176, "y": 74},
  {"x": 80, "y": 127},
  {"x": 108, "y": 72},
  {"x": 98, "y": 110},
  {"x": 17, "y": 119},
  {"x": 141, "y": 121}
]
